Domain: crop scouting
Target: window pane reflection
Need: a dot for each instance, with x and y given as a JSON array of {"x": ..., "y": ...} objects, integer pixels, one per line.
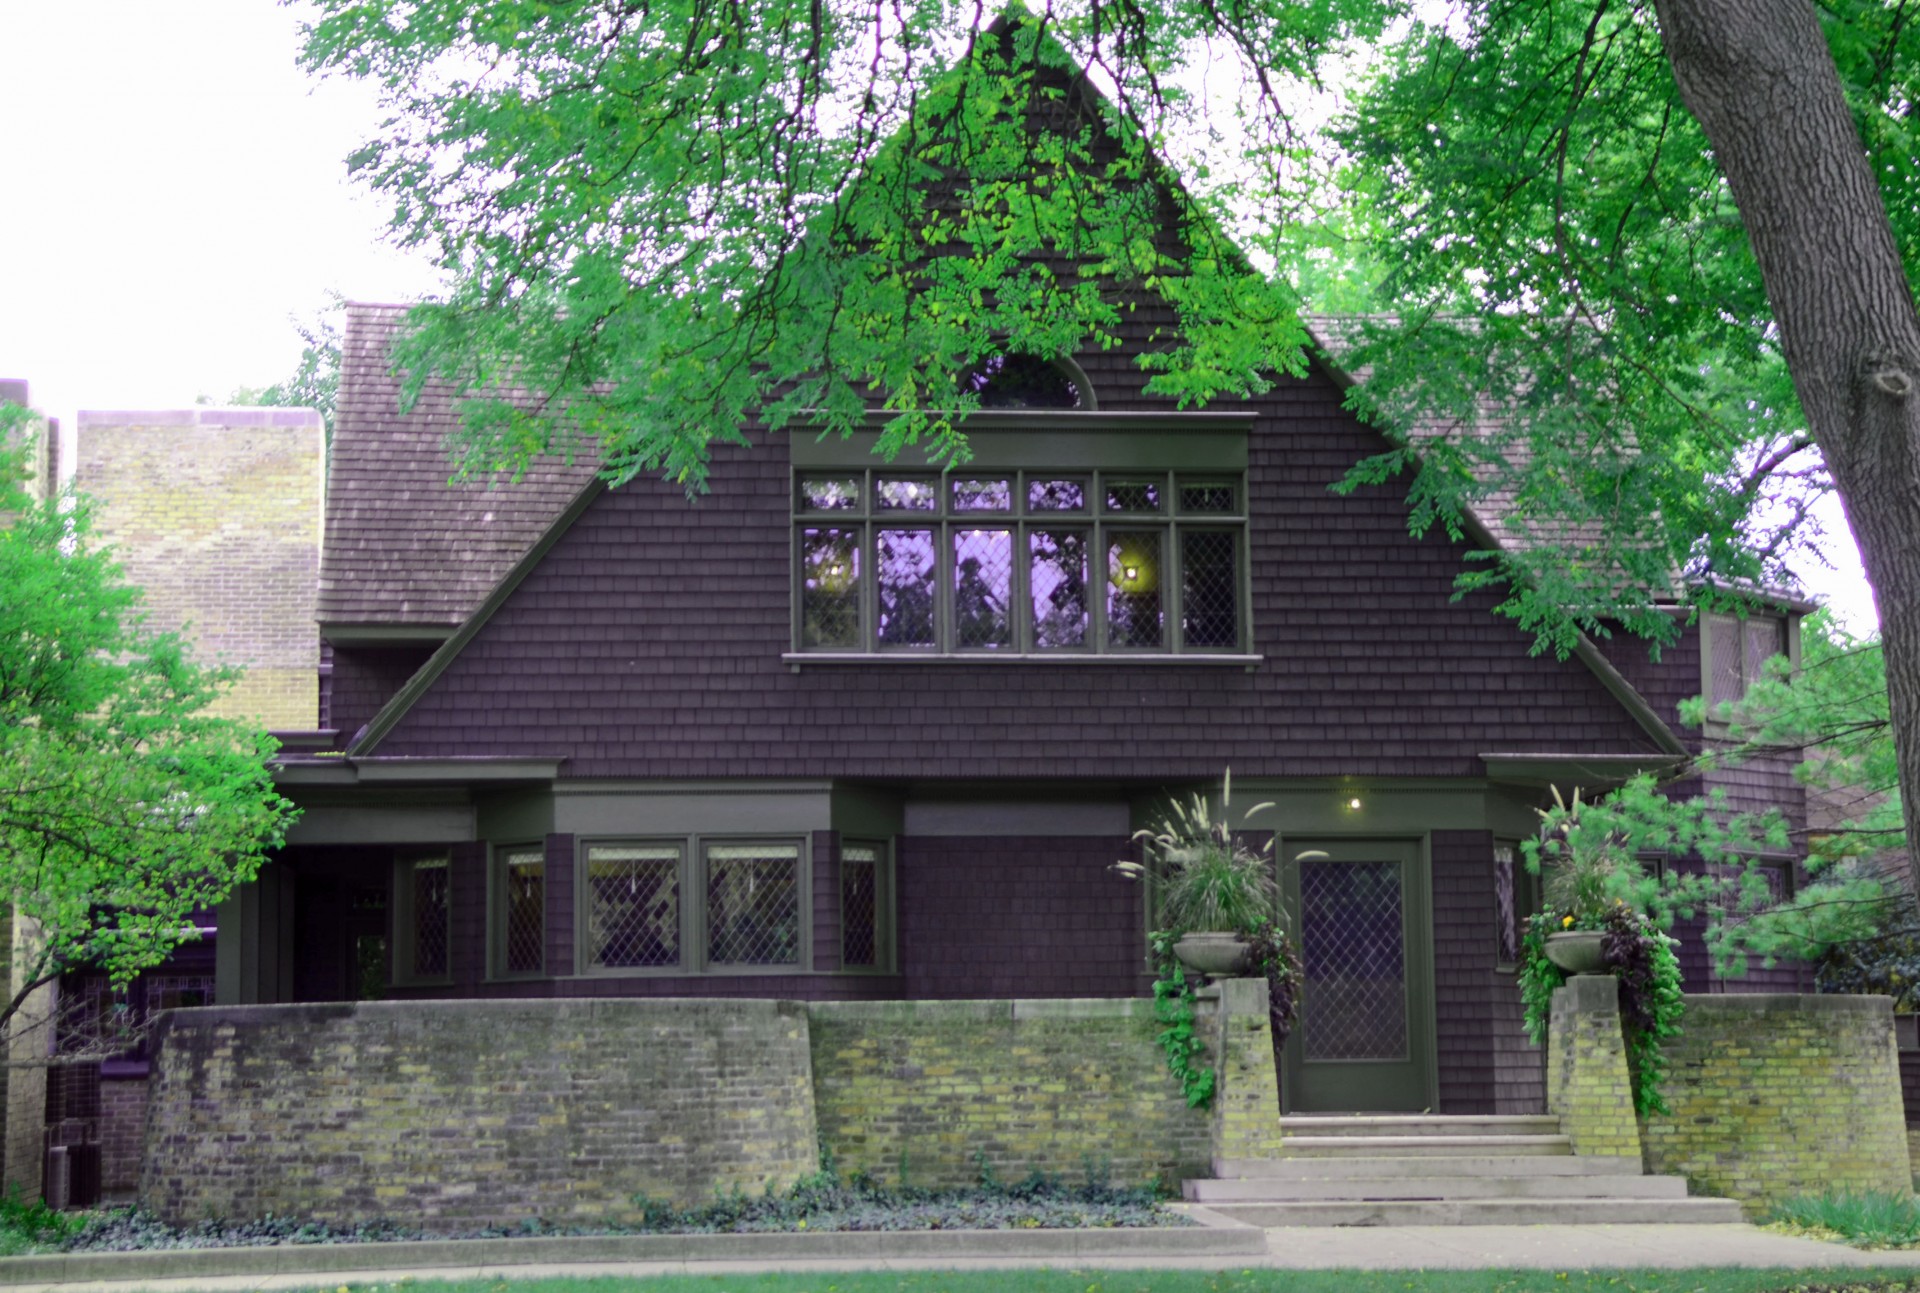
[
  {"x": 829, "y": 588},
  {"x": 1058, "y": 577},
  {"x": 903, "y": 567},
  {"x": 1134, "y": 616},
  {"x": 982, "y": 588}
]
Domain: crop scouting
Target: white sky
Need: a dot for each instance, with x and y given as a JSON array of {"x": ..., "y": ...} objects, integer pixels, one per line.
[{"x": 172, "y": 188}]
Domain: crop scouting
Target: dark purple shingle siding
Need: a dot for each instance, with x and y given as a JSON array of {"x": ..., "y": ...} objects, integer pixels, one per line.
[{"x": 648, "y": 644}]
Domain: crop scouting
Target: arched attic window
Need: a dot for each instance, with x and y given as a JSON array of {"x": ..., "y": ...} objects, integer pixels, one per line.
[{"x": 1021, "y": 381}]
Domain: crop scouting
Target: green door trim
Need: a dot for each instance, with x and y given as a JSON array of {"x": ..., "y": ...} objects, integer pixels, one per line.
[{"x": 1415, "y": 853}]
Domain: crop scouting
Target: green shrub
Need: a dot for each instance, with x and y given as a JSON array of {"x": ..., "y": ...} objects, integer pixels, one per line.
[{"x": 31, "y": 1227}]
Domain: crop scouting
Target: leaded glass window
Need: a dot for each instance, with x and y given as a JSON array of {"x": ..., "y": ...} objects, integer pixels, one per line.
[
  {"x": 1011, "y": 563},
  {"x": 753, "y": 904},
  {"x": 522, "y": 908},
  {"x": 633, "y": 905},
  {"x": 1738, "y": 650},
  {"x": 423, "y": 921},
  {"x": 861, "y": 884}
]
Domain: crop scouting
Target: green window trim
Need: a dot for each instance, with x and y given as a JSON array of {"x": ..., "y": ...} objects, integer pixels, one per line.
[
  {"x": 423, "y": 920},
  {"x": 1026, "y": 564}
]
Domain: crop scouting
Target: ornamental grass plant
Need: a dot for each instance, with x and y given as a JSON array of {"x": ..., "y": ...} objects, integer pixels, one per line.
[{"x": 1866, "y": 1218}]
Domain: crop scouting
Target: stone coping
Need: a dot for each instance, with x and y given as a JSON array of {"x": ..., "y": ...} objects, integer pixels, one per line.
[
  {"x": 1216, "y": 1237},
  {"x": 988, "y": 1011}
]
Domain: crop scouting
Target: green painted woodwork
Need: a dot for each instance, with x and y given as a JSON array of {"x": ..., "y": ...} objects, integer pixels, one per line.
[
  {"x": 868, "y": 812},
  {"x": 711, "y": 808},
  {"x": 1035, "y": 439},
  {"x": 1406, "y": 1084},
  {"x": 253, "y": 957}
]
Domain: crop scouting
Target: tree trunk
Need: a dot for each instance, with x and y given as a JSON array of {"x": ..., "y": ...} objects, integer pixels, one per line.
[{"x": 1759, "y": 77}]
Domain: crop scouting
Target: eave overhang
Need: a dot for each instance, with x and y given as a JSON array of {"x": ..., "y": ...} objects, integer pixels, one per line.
[
  {"x": 1594, "y": 772},
  {"x": 459, "y": 770}
]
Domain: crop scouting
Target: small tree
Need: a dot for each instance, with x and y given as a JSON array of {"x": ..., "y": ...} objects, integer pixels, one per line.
[{"x": 124, "y": 807}]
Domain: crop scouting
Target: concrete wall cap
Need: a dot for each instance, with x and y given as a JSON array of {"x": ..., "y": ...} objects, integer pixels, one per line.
[
  {"x": 252, "y": 416},
  {"x": 1768, "y": 1003}
]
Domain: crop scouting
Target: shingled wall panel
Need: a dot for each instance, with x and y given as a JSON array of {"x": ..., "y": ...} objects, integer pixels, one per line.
[
  {"x": 999, "y": 917},
  {"x": 1464, "y": 977},
  {"x": 648, "y": 643}
]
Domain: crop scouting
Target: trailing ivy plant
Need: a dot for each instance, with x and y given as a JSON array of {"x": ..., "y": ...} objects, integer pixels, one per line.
[
  {"x": 1640, "y": 957},
  {"x": 1173, "y": 1007}
]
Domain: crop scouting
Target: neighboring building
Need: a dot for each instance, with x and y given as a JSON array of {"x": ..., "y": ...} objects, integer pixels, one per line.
[{"x": 215, "y": 514}]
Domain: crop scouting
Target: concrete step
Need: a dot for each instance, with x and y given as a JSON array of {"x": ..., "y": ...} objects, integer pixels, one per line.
[
  {"x": 1331, "y": 1169},
  {"x": 1419, "y": 1146},
  {"x": 1404, "y": 1188},
  {"x": 1483, "y": 1212},
  {"x": 1525, "y": 1124}
]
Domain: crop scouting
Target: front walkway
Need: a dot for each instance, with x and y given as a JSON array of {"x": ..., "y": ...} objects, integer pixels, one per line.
[{"x": 1558, "y": 1248}]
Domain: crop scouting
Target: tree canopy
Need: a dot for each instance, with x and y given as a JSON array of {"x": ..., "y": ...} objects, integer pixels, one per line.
[
  {"x": 124, "y": 808},
  {"x": 1621, "y": 265}
]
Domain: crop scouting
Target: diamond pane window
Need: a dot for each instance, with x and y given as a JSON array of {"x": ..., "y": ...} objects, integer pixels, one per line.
[
  {"x": 1214, "y": 496},
  {"x": 633, "y": 905},
  {"x": 1209, "y": 588},
  {"x": 830, "y": 588},
  {"x": 1133, "y": 496},
  {"x": 1738, "y": 651},
  {"x": 906, "y": 494},
  {"x": 1056, "y": 496},
  {"x": 1354, "y": 989},
  {"x": 982, "y": 495},
  {"x": 429, "y": 902},
  {"x": 1058, "y": 580},
  {"x": 524, "y": 900},
  {"x": 1506, "y": 908},
  {"x": 753, "y": 904},
  {"x": 860, "y": 904},
  {"x": 829, "y": 493},
  {"x": 1134, "y": 615},
  {"x": 1766, "y": 638},
  {"x": 982, "y": 588},
  {"x": 904, "y": 572}
]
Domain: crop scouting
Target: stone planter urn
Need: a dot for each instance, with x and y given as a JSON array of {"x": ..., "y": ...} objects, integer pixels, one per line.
[
  {"x": 1578, "y": 951},
  {"x": 1214, "y": 954}
]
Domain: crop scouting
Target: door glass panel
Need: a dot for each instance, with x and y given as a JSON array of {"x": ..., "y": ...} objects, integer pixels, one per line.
[{"x": 1354, "y": 998}]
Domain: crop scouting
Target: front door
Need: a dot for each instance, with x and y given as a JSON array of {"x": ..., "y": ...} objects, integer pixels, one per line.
[{"x": 1364, "y": 1039}]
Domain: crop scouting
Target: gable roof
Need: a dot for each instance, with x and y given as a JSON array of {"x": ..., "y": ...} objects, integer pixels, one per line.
[{"x": 407, "y": 548}]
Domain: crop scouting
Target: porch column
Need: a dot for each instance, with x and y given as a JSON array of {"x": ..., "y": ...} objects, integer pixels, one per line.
[{"x": 253, "y": 952}]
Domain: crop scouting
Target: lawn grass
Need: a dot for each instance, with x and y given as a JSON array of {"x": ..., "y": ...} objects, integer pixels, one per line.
[{"x": 1231, "y": 1281}]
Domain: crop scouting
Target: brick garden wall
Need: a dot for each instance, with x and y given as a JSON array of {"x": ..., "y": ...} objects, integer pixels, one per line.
[
  {"x": 474, "y": 1111},
  {"x": 1774, "y": 1095},
  {"x": 442, "y": 1113},
  {"x": 933, "y": 1092}
]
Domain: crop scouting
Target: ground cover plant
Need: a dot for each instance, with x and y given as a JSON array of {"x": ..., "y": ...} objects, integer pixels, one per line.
[
  {"x": 821, "y": 1202},
  {"x": 1868, "y": 1219}
]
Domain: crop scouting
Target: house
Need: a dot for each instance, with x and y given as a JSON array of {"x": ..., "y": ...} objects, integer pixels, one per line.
[{"x": 840, "y": 729}]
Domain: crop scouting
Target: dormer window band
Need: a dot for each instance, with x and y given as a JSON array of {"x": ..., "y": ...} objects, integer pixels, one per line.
[{"x": 984, "y": 561}]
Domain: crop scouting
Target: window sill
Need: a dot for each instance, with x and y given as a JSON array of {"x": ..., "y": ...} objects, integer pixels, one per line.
[{"x": 795, "y": 659}]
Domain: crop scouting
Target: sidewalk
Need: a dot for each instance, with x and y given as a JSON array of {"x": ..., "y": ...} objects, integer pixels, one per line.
[{"x": 1556, "y": 1248}]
